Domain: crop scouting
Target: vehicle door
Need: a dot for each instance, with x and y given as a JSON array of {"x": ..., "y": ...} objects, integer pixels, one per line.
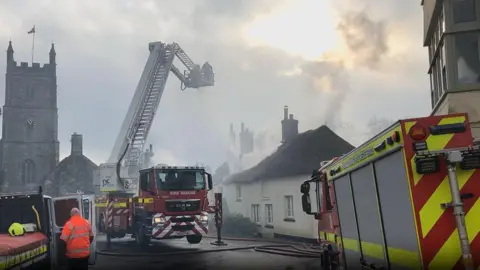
[
  {"x": 62, "y": 206},
  {"x": 53, "y": 249},
  {"x": 88, "y": 213}
]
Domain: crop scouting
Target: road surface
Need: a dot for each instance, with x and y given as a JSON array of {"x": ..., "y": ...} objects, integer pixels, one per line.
[{"x": 239, "y": 259}]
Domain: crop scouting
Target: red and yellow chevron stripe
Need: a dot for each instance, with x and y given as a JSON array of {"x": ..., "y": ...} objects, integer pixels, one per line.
[{"x": 436, "y": 229}]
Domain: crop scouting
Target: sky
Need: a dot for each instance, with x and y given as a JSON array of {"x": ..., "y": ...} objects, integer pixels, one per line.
[{"x": 334, "y": 62}]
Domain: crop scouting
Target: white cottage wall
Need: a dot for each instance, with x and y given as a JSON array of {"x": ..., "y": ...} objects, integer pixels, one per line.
[{"x": 272, "y": 192}]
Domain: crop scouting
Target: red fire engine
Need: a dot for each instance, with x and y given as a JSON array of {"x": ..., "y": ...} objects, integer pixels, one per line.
[
  {"x": 153, "y": 202},
  {"x": 408, "y": 198},
  {"x": 172, "y": 203}
]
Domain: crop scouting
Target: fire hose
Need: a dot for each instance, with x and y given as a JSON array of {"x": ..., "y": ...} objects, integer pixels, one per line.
[
  {"x": 323, "y": 252},
  {"x": 286, "y": 250}
]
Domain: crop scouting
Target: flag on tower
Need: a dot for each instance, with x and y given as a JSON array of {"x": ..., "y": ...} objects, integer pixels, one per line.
[{"x": 32, "y": 31}]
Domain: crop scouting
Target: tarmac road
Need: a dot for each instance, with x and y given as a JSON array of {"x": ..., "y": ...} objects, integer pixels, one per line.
[{"x": 239, "y": 259}]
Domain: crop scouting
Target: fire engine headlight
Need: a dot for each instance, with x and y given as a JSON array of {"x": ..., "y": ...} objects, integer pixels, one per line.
[
  {"x": 204, "y": 218},
  {"x": 158, "y": 220}
]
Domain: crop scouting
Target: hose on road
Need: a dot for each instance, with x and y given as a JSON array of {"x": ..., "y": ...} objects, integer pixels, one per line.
[
  {"x": 151, "y": 254},
  {"x": 283, "y": 249}
]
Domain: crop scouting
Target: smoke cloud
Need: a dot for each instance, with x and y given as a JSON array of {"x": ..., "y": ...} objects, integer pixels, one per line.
[
  {"x": 365, "y": 38},
  {"x": 329, "y": 77},
  {"x": 251, "y": 84}
]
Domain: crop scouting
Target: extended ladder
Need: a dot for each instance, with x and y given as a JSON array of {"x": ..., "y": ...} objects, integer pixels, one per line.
[
  {"x": 128, "y": 148},
  {"x": 144, "y": 118}
]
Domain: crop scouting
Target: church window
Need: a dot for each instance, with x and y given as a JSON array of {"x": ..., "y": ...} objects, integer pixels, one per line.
[
  {"x": 28, "y": 171},
  {"x": 29, "y": 91}
]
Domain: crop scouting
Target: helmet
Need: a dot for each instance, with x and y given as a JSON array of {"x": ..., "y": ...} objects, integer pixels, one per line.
[{"x": 16, "y": 229}]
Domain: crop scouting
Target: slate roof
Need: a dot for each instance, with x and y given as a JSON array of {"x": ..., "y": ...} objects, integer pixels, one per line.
[
  {"x": 78, "y": 171},
  {"x": 299, "y": 156},
  {"x": 221, "y": 172}
]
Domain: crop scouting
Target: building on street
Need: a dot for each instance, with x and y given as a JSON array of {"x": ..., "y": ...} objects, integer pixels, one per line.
[
  {"x": 269, "y": 193},
  {"x": 452, "y": 35},
  {"x": 29, "y": 148},
  {"x": 74, "y": 173}
]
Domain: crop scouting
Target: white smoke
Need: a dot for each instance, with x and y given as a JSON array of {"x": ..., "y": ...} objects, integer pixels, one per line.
[
  {"x": 266, "y": 141},
  {"x": 163, "y": 156}
]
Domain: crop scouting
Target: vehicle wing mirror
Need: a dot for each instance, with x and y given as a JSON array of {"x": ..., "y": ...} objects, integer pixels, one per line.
[
  {"x": 210, "y": 181},
  {"x": 143, "y": 184},
  {"x": 305, "y": 188},
  {"x": 306, "y": 204}
]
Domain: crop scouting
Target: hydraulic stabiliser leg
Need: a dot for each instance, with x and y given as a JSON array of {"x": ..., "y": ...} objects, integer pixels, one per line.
[
  {"x": 459, "y": 214},
  {"x": 218, "y": 219},
  {"x": 109, "y": 221}
]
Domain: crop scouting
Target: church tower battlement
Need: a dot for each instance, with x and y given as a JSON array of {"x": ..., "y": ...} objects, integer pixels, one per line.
[{"x": 13, "y": 67}]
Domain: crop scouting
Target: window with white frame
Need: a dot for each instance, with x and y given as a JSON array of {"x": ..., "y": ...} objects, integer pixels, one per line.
[
  {"x": 269, "y": 213},
  {"x": 289, "y": 206},
  {"x": 463, "y": 11},
  {"x": 239, "y": 192},
  {"x": 467, "y": 54},
  {"x": 255, "y": 213}
]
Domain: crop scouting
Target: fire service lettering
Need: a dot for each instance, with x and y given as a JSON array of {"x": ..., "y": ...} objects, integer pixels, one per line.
[
  {"x": 363, "y": 155},
  {"x": 182, "y": 192}
]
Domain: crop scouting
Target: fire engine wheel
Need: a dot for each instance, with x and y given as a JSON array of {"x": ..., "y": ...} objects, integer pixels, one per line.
[
  {"x": 101, "y": 224},
  {"x": 109, "y": 238},
  {"x": 141, "y": 239},
  {"x": 194, "y": 239}
]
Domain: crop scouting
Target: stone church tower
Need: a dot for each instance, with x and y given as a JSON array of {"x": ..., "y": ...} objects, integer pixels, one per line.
[{"x": 29, "y": 144}]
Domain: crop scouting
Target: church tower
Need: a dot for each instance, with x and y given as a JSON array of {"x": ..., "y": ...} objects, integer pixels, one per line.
[{"x": 29, "y": 147}]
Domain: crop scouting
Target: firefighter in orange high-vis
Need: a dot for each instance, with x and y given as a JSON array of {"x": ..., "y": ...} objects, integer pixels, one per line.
[{"x": 77, "y": 235}]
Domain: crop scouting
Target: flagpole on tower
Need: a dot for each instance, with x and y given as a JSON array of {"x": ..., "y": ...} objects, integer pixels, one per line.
[{"x": 33, "y": 41}]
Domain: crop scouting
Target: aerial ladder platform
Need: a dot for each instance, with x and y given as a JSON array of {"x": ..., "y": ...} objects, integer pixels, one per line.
[{"x": 120, "y": 172}]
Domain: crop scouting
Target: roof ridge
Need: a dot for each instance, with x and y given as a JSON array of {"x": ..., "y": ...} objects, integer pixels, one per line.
[{"x": 314, "y": 145}]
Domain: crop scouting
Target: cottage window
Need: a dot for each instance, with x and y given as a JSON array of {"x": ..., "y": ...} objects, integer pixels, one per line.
[
  {"x": 289, "y": 206},
  {"x": 255, "y": 213},
  {"x": 269, "y": 213},
  {"x": 239, "y": 192}
]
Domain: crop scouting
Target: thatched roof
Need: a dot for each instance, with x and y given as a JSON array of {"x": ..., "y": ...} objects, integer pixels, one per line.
[
  {"x": 299, "y": 156},
  {"x": 221, "y": 172}
]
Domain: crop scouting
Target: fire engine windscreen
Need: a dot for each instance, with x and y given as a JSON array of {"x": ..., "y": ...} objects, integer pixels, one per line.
[{"x": 180, "y": 180}]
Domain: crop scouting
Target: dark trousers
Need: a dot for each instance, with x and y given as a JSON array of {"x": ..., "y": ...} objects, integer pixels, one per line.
[{"x": 78, "y": 264}]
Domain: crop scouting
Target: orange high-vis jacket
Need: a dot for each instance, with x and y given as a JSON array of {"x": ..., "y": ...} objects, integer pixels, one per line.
[{"x": 76, "y": 233}]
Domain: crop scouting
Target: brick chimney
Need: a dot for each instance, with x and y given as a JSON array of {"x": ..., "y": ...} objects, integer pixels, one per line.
[
  {"x": 246, "y": 140},
  {"x": 289, "y": 125},
  {"x": 77, "y": 144}
]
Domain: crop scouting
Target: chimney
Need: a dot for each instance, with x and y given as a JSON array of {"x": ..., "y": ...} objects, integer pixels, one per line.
[
  {"x": 232, "y": 134},
  {"x": 77, "y": 144},
  {"x": 293, "y": 126},
  {"x": 289, "y": 125},
  {"x": 246, "y": 140}
]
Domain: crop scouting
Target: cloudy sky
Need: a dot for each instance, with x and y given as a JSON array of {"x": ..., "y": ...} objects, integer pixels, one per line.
[{"x": 339, "y": 62}]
